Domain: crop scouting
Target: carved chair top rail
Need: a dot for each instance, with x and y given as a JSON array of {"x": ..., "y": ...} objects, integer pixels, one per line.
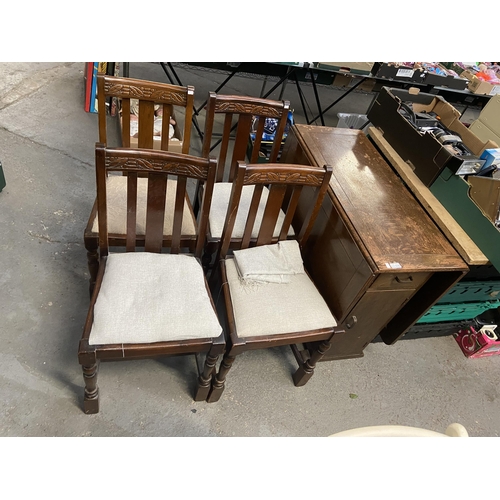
[
  {"x": 126, "y": 159},
  {"x": 278, "y": 178},
  {"x": 158, "y": 166},
  {"x": 247, "y": 105},
  {"x": 284, "y": 174},
  {"x": 131, "y": 88}
]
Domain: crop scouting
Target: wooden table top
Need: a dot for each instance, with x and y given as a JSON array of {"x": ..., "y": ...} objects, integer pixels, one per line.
[{"x": 394, "y": 229}]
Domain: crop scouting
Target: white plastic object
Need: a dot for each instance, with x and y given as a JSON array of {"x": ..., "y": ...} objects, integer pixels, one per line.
[{"x": 453, "y": 430}]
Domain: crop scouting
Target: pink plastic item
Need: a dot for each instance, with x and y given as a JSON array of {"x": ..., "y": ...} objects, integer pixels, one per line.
[{"x": 478, "y": 344}]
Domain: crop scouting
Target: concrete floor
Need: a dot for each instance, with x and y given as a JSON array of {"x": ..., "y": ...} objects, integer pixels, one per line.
[{"x": 46, "y": 148}]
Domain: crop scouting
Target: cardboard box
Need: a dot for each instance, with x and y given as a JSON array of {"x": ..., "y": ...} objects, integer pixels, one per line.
[
  {"x": 478, "y": 344},
  {"x": 349, "y": 80},
  {"x": 485, "y": 193},
  {"x": 174, "y": 144},
  {"x": 490, "y": 115},
  {"x": 481, "y": 130},
  {"x": 477, "y": 86},
  {"x": 420, "y": 149},
  {"x": 342, "y": 80},
  {"x": 349, "y": 67}
]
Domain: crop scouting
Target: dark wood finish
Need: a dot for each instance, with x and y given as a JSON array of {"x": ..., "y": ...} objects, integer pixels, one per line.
[
  {"x": 373, "y": 252},
  {"x": 234, "y": 136},
  {"x": 148, "y": 94},
  {"x": 278, "y": 177},
  {"x": 157, "y": 166}
]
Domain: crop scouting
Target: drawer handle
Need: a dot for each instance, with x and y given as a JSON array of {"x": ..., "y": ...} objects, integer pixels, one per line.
[
  {"x": 351, "y": 322},
  {"x": 404, "y": 280}
]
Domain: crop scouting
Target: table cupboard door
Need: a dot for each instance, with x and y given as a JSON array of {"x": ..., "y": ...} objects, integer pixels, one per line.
[{"x": 364, "y": 322}]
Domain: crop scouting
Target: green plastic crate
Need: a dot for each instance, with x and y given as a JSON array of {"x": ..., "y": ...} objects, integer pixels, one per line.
[
  {"x": 472, "y": 291},
  {"x": 456, "y": 312}
]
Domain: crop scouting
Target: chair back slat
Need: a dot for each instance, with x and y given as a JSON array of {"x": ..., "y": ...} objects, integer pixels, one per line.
[
  {"x": 188, "y": 120},
  {"x": 271, "y": 213},
  {"x": 209, "y": 125},
  {"x": 285, "y": 183},
  {"x": 125, "y": 123},
  {"x": 155, "y": 211},
  {"x": 252, "y": 215},
  {"x": 275, "y": 151},
  {"x": 258, "y": 141},
  {"x": 146, "y": 124},
  {"x": 157, "y": 166},
  {"x": 165, "y": 129},
  {"x": 224, "y": 148},
  {"x": 205, "y": 209},
  {"x": 290, "y": 211},
  {"x": 180, "y": 197},
  {"x": 306, "y": 228},
  {"x": 131, "y": 211},
  {"x": 243, "y": 130}
]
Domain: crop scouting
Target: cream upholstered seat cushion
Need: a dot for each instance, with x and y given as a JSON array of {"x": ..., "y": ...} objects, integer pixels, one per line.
[
  {"x": 149, "y": 297},
  {"x": 116, "y": 194},
  {"x": 218, "y": 210},
  {"x": 274, "y": 308}
]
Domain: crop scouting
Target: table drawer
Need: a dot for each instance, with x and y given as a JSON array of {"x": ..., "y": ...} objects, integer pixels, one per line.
[{"x": 399, "y": 281}]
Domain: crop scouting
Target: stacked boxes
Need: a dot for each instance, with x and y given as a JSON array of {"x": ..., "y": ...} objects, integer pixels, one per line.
[{"x": 422, "y": 150}]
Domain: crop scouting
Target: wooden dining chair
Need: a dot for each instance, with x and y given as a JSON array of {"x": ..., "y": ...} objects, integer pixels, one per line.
[
  {"x": 270, "y": 299},
  {"x": 150, "y": 99},
  {"x": 148, "y": 300},
  {"x": 229, "y": 122}
]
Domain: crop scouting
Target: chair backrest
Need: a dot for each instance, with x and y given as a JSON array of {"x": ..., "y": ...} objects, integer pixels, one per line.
[
  {"x": 148, "y": 95},
  {"x": 239, "y": 113},
  {"x": 285, "y": 184},
  {"x": 157, "y": 166}
]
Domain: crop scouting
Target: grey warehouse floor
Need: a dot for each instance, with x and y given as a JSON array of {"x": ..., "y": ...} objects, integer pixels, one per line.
[{"x": 47, "y": 151}]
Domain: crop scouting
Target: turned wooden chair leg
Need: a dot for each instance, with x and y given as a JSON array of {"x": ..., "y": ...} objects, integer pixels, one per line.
[
  {"x": 306, "y": 370},
  {"x": 205, "y": 378},
  {"x": 91, "y": 395},
  {"x": 92, "y": 261},
  {"x": 220, "y": 379}
]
